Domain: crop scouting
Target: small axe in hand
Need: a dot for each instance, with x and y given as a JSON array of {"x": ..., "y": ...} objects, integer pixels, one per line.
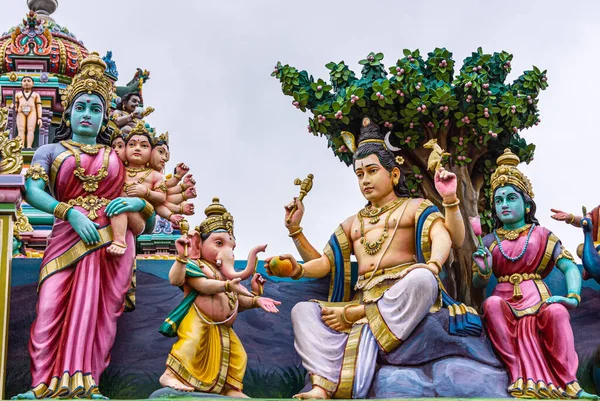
[{"x": 305, "y": 187}]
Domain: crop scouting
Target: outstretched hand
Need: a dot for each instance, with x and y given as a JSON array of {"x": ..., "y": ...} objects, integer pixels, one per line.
[
  {"x": 445, "y": 183},
  {"x": 268, "y": 304}
]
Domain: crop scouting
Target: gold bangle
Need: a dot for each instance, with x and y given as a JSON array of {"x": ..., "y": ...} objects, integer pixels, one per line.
[
  {"x": 147, "y": 193},
  {"x": 574, "y": 296},
  {"x": 226, "y": 287},
  {"x": 61, "y": 210},
  {"x": 181, "y": 208},
  {"x": 147, "y": 211},
  {"x": 181, "y": 260},
  {"x": 344, "y": 319},
  {"x": 299, "y": 275},
  {"x": 293, "y": 234},
  {"x": 449, "y": 205},
  {"x": 572, "y": 218},
  {"x": 183, "y": 196},
  {"x": 437, "y": 263},
  {"x": 255, "y": 301},
  {"x": 179, "y": 177},
  {"x": 182, "y": 186}
]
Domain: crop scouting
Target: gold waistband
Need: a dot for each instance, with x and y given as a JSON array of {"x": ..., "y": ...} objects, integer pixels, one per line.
[
  {"x": 517, "y": 278},
  {"x": 91, "y": 203},
  {"x": 386, "y": 270}
]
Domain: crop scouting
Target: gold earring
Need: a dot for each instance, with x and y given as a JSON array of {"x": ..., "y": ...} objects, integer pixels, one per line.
[
  {"x": 527, "y": 210},
  {"x": 147, "y": 164},
  {"x": 126, "y": 163},
  {"x": 396, "y": 180},
  {"x": 68, "y": 123},
  {"x": 103, "y": 128}
]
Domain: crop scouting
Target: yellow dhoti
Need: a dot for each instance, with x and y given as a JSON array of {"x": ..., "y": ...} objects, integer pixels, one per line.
[{"x": 207, "y": 356}]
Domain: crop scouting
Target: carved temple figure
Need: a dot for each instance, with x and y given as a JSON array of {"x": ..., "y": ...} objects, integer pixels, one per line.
[
  {"x": 117, "y": 143},
  {"x": 28, "y": 105},
  {"x": 128, "y": 112},
  {"x": 589, "y": 250},
  {"x": 208, "y": 355},
  {"x": 527, "y": 325},
  {"x": 81, "y": 287},
  {"x": 400, "y": 245},
  {"x": 177, "y": 192},
  {"x": 141, "y": 181}
]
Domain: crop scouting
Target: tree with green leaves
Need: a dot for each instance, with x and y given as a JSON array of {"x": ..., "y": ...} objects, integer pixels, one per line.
[{"x": 474, "y": 115}]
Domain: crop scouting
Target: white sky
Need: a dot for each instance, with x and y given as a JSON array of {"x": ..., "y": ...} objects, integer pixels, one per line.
[{"x": 210, "y": 83}]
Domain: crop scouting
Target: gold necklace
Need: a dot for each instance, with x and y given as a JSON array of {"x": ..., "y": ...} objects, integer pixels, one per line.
[
  {"x": 374, "y": 213},
  {"x": 88, "y": 149},
  {"x": 133, "y": 171},
  {"x": 512, "y": 235},
  {"x": 90, "y": 181},
  {"x": 372, "y": 248}
]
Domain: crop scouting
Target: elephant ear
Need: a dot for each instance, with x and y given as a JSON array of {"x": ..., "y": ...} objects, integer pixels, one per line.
[{"x": 195, "y": 251}]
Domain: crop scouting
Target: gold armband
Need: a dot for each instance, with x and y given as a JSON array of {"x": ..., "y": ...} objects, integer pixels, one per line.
[
  {"x": 437, "y": 263},
  {"x": 293, "y": 234},
  {"x": 147, "y": 211},
  {"x": 574, "y": 296},
  {"x": 161, "y": 187},
  {"x": 182, "y": 261},
  {"x": 565, "y": 254},
  {"x": 37, "y": 172},
  {"x": 344, "y": 318},
  {"x": 61, "y": 210},
  {"x": 299, "y": 275},
  {"x": 449, "y": 205}
]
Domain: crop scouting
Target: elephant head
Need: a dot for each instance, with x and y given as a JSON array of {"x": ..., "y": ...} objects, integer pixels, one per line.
[{"x": 217, "y": 243}]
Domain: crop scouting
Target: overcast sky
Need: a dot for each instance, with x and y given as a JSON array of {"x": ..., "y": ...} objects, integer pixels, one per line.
[{"x": 210, "y": 83}]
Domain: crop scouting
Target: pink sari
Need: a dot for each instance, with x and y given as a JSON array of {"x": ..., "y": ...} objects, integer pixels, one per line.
[
  {"x": 534, "y": 339},
  {"x": 81, "y": 291}
]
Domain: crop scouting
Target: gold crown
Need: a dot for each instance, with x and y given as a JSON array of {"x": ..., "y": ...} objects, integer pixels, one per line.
[
  {"x": 139, "y": 129},
  {"x": 507, "y": 173},
  {"x": 162, "y": 138},
  {"x": 90, "y": 79},
  {"x": 217, "y": 218}
]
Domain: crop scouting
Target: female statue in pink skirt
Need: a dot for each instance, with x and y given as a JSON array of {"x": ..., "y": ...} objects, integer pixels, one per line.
[{"x": 528, "y": 327}]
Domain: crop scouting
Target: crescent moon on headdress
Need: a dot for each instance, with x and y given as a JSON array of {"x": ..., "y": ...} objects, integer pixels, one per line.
[{"x": 388, "y": 144}]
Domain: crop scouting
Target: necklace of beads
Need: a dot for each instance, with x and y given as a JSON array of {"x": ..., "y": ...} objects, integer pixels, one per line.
[
  {"x": 90, "y": 181},
  {"x": 133, "y": 171},
  {"x": 372, "y": 248},
  {"x": 374, "y": 213},
  {"x": 522, "y": 252}
]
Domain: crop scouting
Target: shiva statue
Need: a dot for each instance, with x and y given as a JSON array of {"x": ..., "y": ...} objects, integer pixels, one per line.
[
  {"x": 208, "y": 355},
  {"x": 28, "y": 106},
  {"x": 81, "y": 288},
  {"x": 400, "y": 244},
  {"x": 527, "y": 325}
]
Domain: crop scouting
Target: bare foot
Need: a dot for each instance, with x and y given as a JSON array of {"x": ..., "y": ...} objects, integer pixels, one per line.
[
  {"x": 168, "y": 379},
  {"x": 317, "y": 393},
  {"x": 234, "y": 393},
  {"x": 116, "y": 248}
]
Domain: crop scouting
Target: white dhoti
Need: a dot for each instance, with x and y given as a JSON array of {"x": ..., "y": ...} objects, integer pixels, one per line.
[{"x": 344, "y": 363}]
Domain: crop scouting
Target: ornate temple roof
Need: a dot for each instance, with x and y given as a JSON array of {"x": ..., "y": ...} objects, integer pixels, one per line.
[{"x": 41, "y": 40}]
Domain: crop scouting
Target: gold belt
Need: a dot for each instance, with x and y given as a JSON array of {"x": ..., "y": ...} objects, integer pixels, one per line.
[
  {"x": 91, "y": 203},
  {"x": 387, "y": 270},
  {"x": 516, "y": 279}
]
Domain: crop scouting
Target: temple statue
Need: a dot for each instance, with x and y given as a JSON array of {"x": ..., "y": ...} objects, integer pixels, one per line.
[
  {"x": 81, "y": 287},
  {"x": 28, "y": 105},
  {"x": 401, "y": 245},
  {"x": 208, "y": 355},
  {"x": 128, "y": 111},
  {"x": 527, "y": 325}
]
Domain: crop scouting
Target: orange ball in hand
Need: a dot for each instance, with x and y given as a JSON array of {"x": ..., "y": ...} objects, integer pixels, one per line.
[{"x": 281, "y": 267}]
